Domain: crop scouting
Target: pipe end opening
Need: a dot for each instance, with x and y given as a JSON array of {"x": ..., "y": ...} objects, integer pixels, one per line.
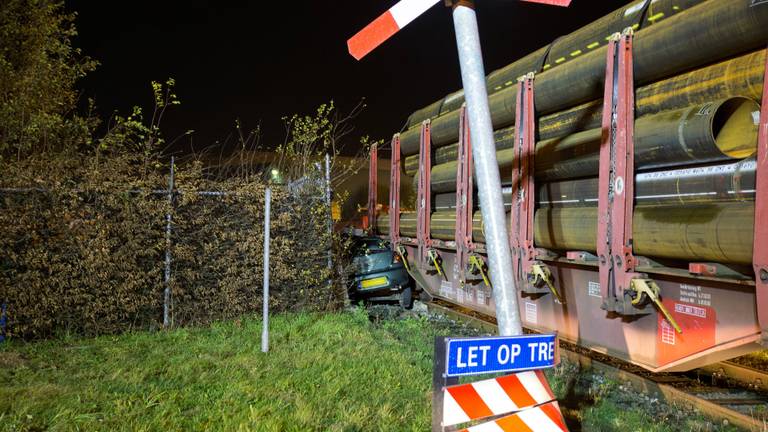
[{"x": 735, "y": 127}]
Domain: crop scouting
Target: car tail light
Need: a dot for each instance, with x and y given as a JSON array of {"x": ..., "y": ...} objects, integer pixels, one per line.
[{"x": 396, "y": 259}]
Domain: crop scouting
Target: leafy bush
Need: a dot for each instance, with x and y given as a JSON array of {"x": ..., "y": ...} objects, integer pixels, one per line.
[
  {"x": 38, "y": 70},
  {"x": 83, "y": 242}
]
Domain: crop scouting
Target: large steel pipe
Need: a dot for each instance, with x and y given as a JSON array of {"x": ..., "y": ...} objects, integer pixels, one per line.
[
  {"x": 565, "y": 49},
  {"x": 705, "y": 33},
  {"x": 720, "y": 232},
  {"x": 443, "y": 225},
  {"x": 697, "y": 185},
  {"x": 711, "y": 232},
  {"x": 740, "y": 76},
  {"x": 709, "y": 132}
]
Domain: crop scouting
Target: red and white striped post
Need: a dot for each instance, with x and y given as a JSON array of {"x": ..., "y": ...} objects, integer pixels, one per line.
[{"x": 521, "y": 401}]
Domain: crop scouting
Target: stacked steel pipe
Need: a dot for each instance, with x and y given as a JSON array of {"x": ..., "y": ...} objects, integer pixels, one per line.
[{"x": 699, "y": 69}]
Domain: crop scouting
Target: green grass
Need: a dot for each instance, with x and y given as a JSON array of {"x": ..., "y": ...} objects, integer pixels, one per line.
[
  {"x": 757, "y": 360},
  {"x": 335, "y": 372},
  {"x": 616, "y": 410},
  {"x": 330, "y": 372},
  {"x": 610, "y": 416}
]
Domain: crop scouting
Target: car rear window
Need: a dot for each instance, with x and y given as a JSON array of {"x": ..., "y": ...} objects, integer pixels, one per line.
[
  {"x": 377, "y": 247},
  {"x": 369, "y": 246}
]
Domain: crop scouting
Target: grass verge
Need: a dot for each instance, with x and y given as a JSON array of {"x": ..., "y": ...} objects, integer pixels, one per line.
[{"x": 335, "y": 372}]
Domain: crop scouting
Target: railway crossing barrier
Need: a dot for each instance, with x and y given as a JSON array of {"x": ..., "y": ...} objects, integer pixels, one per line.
[{"x": 519, "y": 401}]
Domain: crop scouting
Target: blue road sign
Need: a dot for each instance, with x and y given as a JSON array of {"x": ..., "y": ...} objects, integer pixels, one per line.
[{"x": 472, "y": 356}]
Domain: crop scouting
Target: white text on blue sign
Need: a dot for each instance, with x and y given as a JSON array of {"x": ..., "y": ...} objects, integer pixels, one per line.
[{"x": 473, "y": 356}]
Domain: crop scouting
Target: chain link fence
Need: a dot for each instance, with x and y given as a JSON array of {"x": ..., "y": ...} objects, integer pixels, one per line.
[{"x": 98, "y": 250}]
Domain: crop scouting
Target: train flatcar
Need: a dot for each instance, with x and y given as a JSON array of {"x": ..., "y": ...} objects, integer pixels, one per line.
[{"x": 674, "y": 278}]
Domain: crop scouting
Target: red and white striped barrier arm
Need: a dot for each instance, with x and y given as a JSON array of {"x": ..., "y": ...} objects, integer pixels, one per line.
[
  {"x": 386, "y": 25},
  {"x": 510, "y": 393},
  {"x": 543, "y": 418},
  {"x": 397, "y": 17}
]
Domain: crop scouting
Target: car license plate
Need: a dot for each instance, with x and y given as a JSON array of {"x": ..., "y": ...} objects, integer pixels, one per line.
[{"x": 370, "y": 283}]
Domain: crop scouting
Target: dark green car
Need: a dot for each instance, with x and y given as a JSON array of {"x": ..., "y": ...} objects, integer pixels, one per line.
[{"x": 378, "y": 273}]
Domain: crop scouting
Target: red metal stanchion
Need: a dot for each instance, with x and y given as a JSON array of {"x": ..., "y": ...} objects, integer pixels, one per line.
[
  {"x": 394, "y": 203},
  {"x": 622, "y": 289},
  {"x": 394, "y": 193},
  {"x": 424, "y": 195},
  {"x": 760, "y": 248},
  {"x": 468, "y": 263},
  {"x": 429, "y": 259},
  {"x": 373, "y": 174},
  {"x": 532, "y": 275},
  {"x": 615, "y": 190},
  {"x": 464, "y": 195}
]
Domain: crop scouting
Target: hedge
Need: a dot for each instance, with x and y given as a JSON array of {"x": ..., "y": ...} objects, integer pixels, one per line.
[{"x": 82, "y": 246}]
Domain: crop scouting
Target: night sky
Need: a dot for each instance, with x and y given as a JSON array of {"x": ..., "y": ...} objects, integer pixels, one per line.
[{"x": 261, "y": 60}]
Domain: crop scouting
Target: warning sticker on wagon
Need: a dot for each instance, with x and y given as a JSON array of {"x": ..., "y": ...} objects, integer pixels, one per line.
[
  {"x": 691, "y": 310},
  {"x": 698, "y": 326}
]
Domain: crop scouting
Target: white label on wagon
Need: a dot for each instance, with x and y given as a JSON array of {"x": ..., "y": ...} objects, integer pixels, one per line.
[
  {"x": 694, "y": 294},
  {"x": 593, "y": 289},
  {"x": 446, "y": 289},
  {"x": 531, "y": 313},
  {"x": 480, "y": 296}
]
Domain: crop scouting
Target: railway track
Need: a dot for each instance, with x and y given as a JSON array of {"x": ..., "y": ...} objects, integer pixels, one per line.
[{"x": 725, "y": 391}]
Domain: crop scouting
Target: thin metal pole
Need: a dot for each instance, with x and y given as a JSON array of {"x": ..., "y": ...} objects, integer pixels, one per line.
[
  {"x": 330, "y": 218},
  {"x": 439, "y": 382},
  {"x": 486, "y": 169},
  {"x": 3, "y": 321},
  {"x": 167, "y": 276},
  {"x": 265, "y": 310}
]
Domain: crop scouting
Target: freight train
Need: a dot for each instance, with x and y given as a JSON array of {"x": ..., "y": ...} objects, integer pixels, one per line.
[{"x": 684, "y": 281}]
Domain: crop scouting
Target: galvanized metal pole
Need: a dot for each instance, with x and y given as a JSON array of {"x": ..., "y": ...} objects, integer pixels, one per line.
[
  {"x": 330, "y": 218},
  {"x": 167, "y": 275},
  {"x": 486, "y": 168},
  {"x": 265, "y": 309}
]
